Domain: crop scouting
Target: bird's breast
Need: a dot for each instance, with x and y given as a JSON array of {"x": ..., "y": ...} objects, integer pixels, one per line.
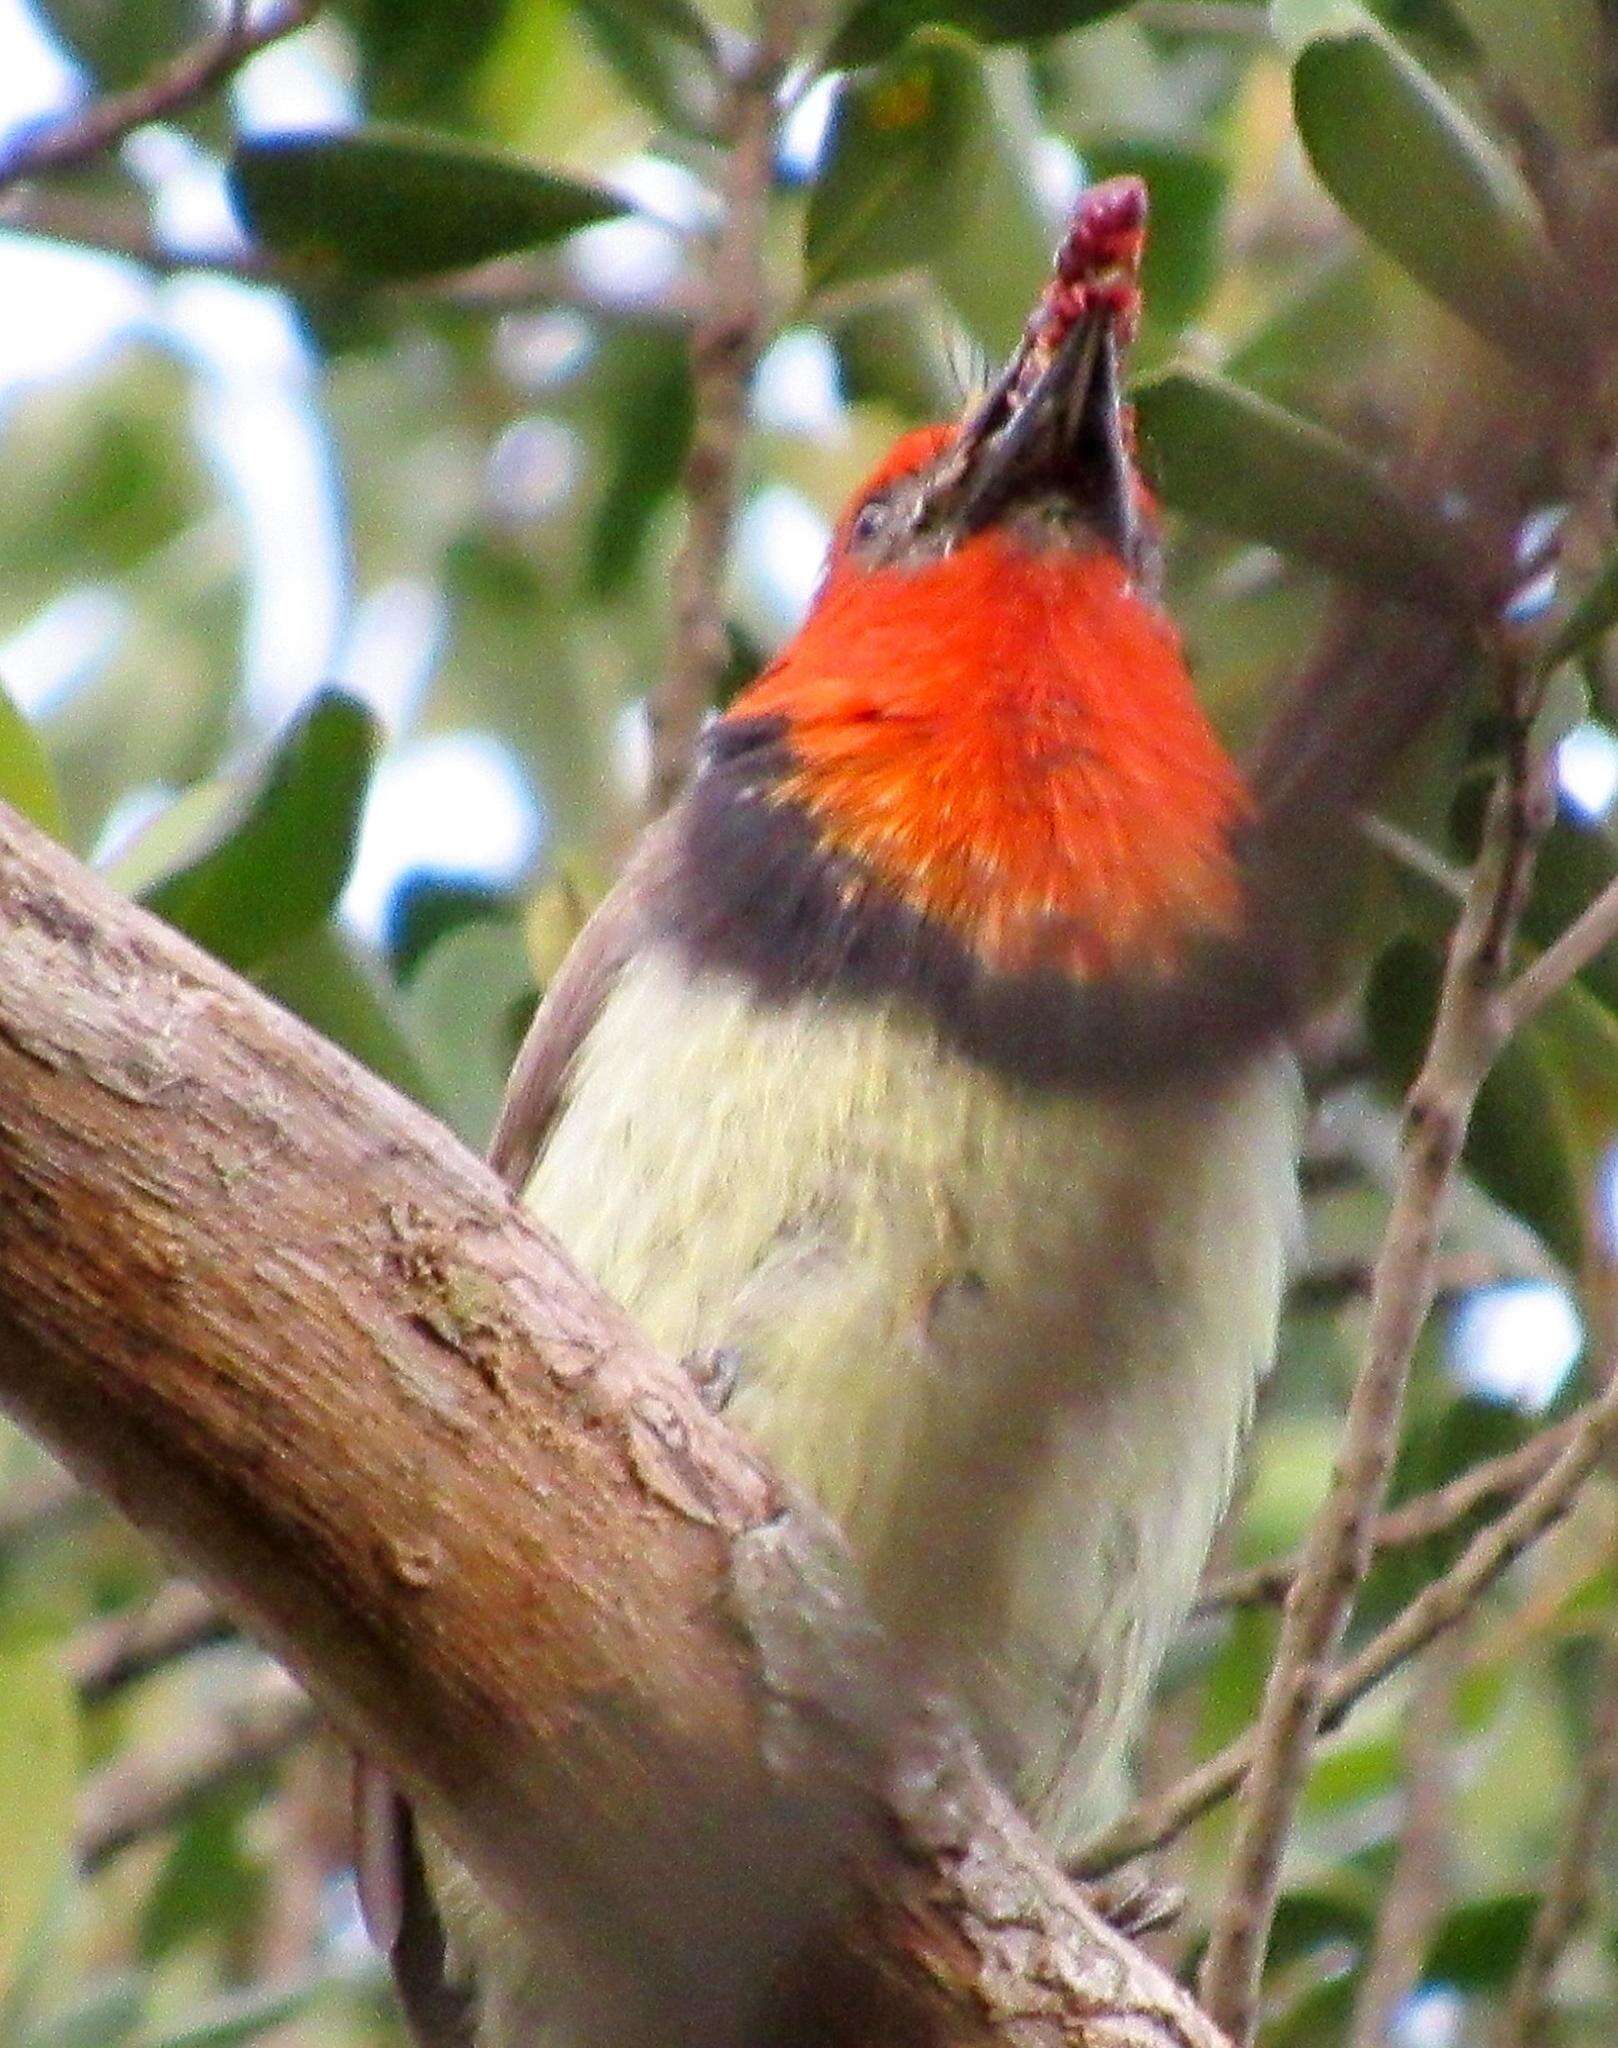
[{"x": 1009, "y": 1337}]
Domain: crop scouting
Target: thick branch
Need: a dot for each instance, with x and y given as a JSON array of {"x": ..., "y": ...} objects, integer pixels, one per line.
[{"x": 280, "y": 1317}]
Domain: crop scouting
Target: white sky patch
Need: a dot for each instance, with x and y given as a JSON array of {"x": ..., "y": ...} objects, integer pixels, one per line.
[
  {"x": 781, "y": 545},
  {"x": 625, "y": 262},
  {"x": 37, "y": 76},
  {"x": 538, "y": 351},
  {"x": 804, "y": 131},
  {"x": 797, "y": 389},
  {"x": 1587, "y": 770},
  {"x": 127, "y": 820},
  {"x": 1058, "y": 173},
  {"x": 63, "y": 646},
  {"x": 1430, "y": 2018},
  {"x": 268, "y": 445},
  {"x": 190, "y": 207},
  {"x": 306, "y": 82},
  {"x": 457, "y": 804},
  {"x": 79, "y": 307},
  {"x": 394, "y": 641},
  {"x": 532, "y": 468},
  {"x": 1516, "y": 1343}
]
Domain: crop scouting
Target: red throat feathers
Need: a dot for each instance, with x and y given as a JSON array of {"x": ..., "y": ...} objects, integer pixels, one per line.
[{"x": 1008, "y": 740}]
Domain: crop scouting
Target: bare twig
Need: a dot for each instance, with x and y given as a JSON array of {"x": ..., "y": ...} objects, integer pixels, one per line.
[
  {"x": 148, "y": 1791},
  {"x": 1413, "y": 1521},
  {"x": 1337, "y": 1554},
  {"x": 1442, "y": 1603},
  {"x": 725, "y": 346},
  {"x": 1591, "y": 932},
  {"x": 1567, "y": 1891},
  {"x": 61, "y": 143},
  {"x": 1418, "y": 1890},
  {"x": 126, "y": 1647}
]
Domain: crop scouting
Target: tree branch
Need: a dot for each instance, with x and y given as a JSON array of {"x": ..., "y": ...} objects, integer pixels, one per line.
[
  {"x": 725, "y": 346},
  {"x": 1425, "y": 1515},
  {"x": 110, "y": 1654},
  {"x": 1338, "y": 1552},
  {"x": 281, "y": 1317},
  {"x": 1437, "y": 1607},
  {"x": 149, "y": 1791},
  {"x": 65, "y": 141}
]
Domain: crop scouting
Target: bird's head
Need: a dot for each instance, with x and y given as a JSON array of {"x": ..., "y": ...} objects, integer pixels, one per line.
[{"x": 1045, "y": 459}]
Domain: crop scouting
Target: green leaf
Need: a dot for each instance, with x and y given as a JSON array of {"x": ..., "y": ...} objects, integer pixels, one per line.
[
  {"x": 874, "y": 29},
  {"x": 468, "y": 1004},
  {"x": 122, "y": 46},
  {"x": 26, "y": 780},
  {"x": 328, "y": 980},
  {"x": 660, "y": 61},
  {"x": 920, "y": 172},
  {"x": 420, "y": 58},
  {"x": 1480, "y": 1944},
  {"x": 1224, "y": 455},
  {"x": 276, "y": 869},
  {"x": 1594, "y": 614},
  {"x": 380, "y": 204},
  {"x": 39, "y": 1765},
  {"x": 1416, "y": 174}
]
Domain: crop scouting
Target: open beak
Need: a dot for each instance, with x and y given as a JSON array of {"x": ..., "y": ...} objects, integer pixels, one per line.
[
  {"x": 1054, "y": 432},
  {"x": 1053, "y": 425}
]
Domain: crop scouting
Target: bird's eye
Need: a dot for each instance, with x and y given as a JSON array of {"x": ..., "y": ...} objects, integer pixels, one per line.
[{"x": 869, "y": 520}]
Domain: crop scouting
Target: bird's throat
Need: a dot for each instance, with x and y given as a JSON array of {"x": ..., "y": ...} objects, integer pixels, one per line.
[{"x": 1007, "y": 741}]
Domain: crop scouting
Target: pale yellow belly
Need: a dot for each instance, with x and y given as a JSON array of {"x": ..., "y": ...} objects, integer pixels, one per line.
[{"x": 1009, "y": 1340}]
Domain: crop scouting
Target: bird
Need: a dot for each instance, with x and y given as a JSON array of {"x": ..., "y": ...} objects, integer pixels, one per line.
[{"x": 924, "y": 1085}]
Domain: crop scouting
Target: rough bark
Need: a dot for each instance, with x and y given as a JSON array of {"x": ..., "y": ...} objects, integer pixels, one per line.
[{"x": 283, "y": 1320}]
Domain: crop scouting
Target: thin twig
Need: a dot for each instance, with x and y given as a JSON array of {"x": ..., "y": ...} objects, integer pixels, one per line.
[
  {"x": 125, "y": 1647},
  {"x": 725, "y": 347},
  {"x": 1338, "y": 1552},
  {"x": 1442, "y": 1603},
  {"x": 1590, "y": 933},
  {"x": 1567, "y": 1890},
  {"x": 1425, "y": 1515},
  {"x": 147, "y": 1791},
  {"x": 61, "y": 143},
  {"x": 1418, "y": 1890}
]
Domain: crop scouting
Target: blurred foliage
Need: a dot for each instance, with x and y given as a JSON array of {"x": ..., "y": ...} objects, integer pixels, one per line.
[{"x": 1359, "y": 218}]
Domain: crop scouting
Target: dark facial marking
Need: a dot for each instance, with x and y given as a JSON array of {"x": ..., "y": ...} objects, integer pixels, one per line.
[{"x": 753, "y": 891}]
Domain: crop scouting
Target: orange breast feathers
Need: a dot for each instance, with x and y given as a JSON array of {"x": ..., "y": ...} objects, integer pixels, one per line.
[{"x": 1008, "y": 741}]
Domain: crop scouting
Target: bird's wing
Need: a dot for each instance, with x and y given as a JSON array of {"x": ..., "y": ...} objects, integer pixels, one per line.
[
  {"x": 571, "y": 1005},
  {"x": 395, "y": 1897}
]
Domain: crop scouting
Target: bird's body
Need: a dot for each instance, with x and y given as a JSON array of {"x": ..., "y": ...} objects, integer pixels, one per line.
[
  {"x": 918, "y": 1087},
  {"x": 1009, "y": 1342}
]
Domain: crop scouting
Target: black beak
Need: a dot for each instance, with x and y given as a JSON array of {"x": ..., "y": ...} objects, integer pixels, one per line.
[{"x": 1055, "y": 431}]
